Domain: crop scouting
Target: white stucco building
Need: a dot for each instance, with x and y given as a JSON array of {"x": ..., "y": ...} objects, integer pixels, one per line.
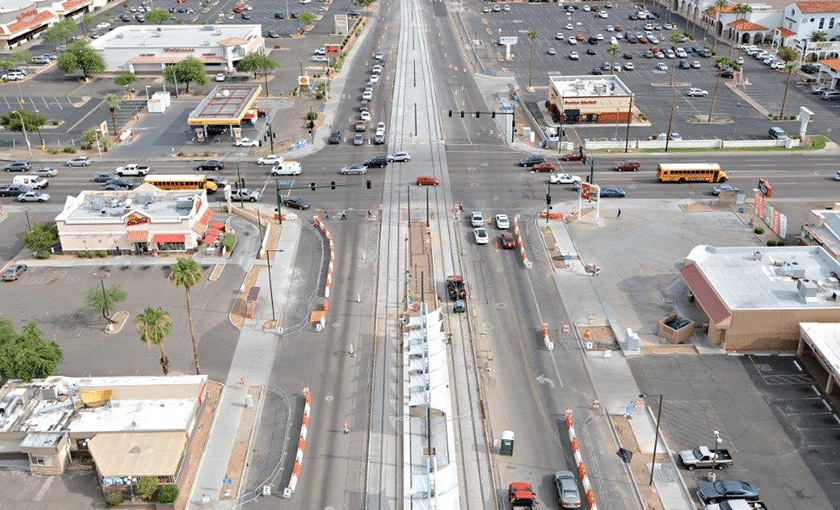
[
  {"x": 143, "y": 220},
  {"x": 23, "y": 20},
  {"x": 140, "y": 48}
]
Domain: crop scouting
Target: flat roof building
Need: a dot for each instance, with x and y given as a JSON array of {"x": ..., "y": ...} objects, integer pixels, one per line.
[
  {"x": 131, "y": 426},
  {"x": 604, "y": 99},
  {"x": 139, "y": 48},
  {"x": 755, "y": 297},
  {"x": 23, "y": 20},
  {"x": 823, "y": 229},
  {"x": 139, "y": 221}
]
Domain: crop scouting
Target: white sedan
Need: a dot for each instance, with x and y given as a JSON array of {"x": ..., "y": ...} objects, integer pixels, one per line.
[
  {"x": 220, "y": 77},
  {"x": 481, "y": 236},
  {"x": 271, "y": 159},
  {"x": 33, "y": 196},
  {"x": 247, "y": 142},
  {"x": 563, "y": 178},
  {"x": 46, "y": 172},
  {"x": 374, "y": 78},
  {"x": 502, "y": 221}
]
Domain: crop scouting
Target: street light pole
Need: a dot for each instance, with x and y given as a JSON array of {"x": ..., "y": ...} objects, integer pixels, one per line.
[
  {"x": 718, "y": 441},
  {"x": 670, "y": 122},
  {"x": 655, "y": 441}
]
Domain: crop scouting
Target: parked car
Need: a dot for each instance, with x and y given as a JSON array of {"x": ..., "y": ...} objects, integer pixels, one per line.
[
  {"x": 777, "y": 133},
  {"x": 399, "y": 156},
  {"x": 33, "y": 196},
  {"x": 247, "y": 142},
  {"x": 695, "y": 92},
  {"x": 481, "y": 236},
  {"x": 703, "y": 456},
  {"x": 737, "y": 504},
  {"x": 427, "y": 180},
  {"x": 830, "y": 95},
  {"x": 567, "y": 489},
  {"x": 717, "y": 189},
  {"x": 810, "y": 68},
  {"x": 722, "y": 490},
  {"x": 78, "y": 161},
  {"x": 477, "y": 219},
  {"x": 836, "y": 175},
  {"x": 296, "y": 202},
  {"x": 502, "y": 221},
  {"x": 14, "y": 272},
  {"x": 220, "y": 77}
]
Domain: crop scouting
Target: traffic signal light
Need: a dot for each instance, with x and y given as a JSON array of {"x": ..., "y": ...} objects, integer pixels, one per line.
[
  {"x": 493, "y": 114},
  {"x": 332, "y": 185},
  {"x": 477, "y": 114},
  {"x": 450, "y": 113},
  {"x": 548, "y": 198},
  {"x": 368, "y": 182},
  {"x": 462, "y": 114},
  {"x": 312, "y": 186}
]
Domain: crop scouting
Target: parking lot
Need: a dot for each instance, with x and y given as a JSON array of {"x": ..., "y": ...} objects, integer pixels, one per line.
[
  {"x": 779, "y": 427},
  {"x": 651, "y": 87}
]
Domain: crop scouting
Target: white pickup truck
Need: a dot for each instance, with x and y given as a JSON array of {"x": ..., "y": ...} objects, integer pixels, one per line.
[
  {"x": 132, "y": 169},
  {"x": 246, "y": 194}
]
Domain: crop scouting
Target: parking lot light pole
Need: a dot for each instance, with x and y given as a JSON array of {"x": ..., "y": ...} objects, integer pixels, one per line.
[
  {"x": 629, "y": 118},
  {"x": 655, "y": 441},
  {"x": 670, "y": 122},
  {"x": 716, "y": 447}
]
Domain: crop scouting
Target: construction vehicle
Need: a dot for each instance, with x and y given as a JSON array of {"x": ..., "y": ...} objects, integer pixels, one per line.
[
  {"x": 521, "y": 495},
  {"x": 455, "y": 287}
]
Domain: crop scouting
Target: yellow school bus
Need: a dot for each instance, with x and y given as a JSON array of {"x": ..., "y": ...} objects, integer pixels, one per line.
[
  {"x": 176, "y": 182},
  {"x": 688, "y": 172}
]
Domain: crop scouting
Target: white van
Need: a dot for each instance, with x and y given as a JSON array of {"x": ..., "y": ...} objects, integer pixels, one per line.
[
  {"x": 32, "y": 181},
  {"x": 289, "y": 167}
]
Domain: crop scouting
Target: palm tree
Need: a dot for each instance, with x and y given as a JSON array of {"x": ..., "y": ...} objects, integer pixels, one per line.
[
  {"x": 675, "y": 38},
  {"x": 113, "y": 103},
  {"x": 613, "y": 50},
  {"x": 719, "y": 4},
  {"x": 741, "y": 11},
  {"x": 790, "y": 67},
  {"x": 185, "y": 273},
  {"x": 818, "y": 36},
  {"x": 154, "y": 325},
  {"x": 532, "y": 34}
]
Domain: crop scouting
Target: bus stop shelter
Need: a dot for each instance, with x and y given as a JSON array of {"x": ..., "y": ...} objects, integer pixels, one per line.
[{"x": 224, "y": 107}]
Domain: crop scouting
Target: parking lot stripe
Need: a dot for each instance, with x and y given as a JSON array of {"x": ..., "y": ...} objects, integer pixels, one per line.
[
  {"x": 58, "y": 103},
  {"x": 44, "y": 99}
]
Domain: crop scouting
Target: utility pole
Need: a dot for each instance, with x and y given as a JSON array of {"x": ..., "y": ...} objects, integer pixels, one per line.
[
  {"x": 239, "y": 186},
  {"x": 548, "y": 203},
  {"x": 670, "y": 122},
  {"x": 629, "y": 118},
  {"x": 427, "y": 207},
  {"x": 560, "y": 134},
  {"x": 270, "y": 136},
  {"x": 279, "y": 202},
  {"x": 591, "y": 161},
  {"x": 415, "y": 119}
]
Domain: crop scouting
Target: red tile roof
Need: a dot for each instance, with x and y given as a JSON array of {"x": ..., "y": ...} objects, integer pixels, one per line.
[
  {"x": 784, "y": 32},
  {"x": 705, "y": 295},
  {"x": 746, "y": 26},
  {"x": 816, "y": 7},
  {"x": 832, "y": 63},
  {"x": 169, "y": 238},
  {"x": 70, "y": 4},
  {"x": 31, "y": 22}
]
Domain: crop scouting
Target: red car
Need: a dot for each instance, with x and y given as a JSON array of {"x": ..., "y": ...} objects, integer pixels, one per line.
[
  {"x": 545, "y": 166},
  {"x": 643, "y": 40},
  {"x": 579, "y": 37},
  {"x": 238, "y": 9},
  {"x": 618, "y": 28},
  {"x": 627, "y": 166},
  {"x": 572, "y": 156},
  {"x": 427, "y": 180},
  {"x": 508, "y": 241}
]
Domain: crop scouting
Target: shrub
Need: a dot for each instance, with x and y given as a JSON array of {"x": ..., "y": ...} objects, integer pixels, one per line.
[
  {"x": 113, "y": 497},
  {"x": 43, "y": 254},
  {"x": 70, "y": 149},
  {"x": 206, "y": 153},
  {"x": 147, "y": 486},
  {"x": 52, "y": 150},
  {"x": 311, "y": 116},
  {"x": 167, "y": 494},
  {"x": 758, "y": 230},
  {"x": 229, "y": 242},
  {"x": 771, "y": 242},
  {"x": 102, "y": 254},
  {"x": 56, "y": 122}
]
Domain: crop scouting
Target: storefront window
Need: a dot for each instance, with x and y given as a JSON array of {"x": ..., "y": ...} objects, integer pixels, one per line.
[{"x": 171, "y": 247}]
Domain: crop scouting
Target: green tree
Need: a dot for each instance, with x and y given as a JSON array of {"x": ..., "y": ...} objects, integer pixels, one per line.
[
  {"x": 818, "y": 36},
  {"x": 741, "y": 11},
  {"x": 167, "y": 494},
  {"x": 79, "y": 55},
  {"x": 306, "y": 18},
  {"x": 154, "y": 325},
  {"x": 147, "y": 486},
  {"x": 532, "y": 34},
  {"x": 158, "y": 16},
  {"x": 27, "y": 355},
  {"x": 113, "y": 104},
  {"x": 125, "y": 80},
  {"x": 719, "y": 4},
  {"x": 42, "y": 236},
  {"x": 92, "y": 135},
  {"x": 257, "y": 62},
  {"x": 613, "y": 50},
  {"x": 787, "y": 54},
  {"x": 185, "y": 273},
  {"x": 59, "y": 33},
  {"x": 790, "y": 67},
  {"x": 186, "y": 71},
  {"x": 86, "y": 20},
  {"x": 98, "y": 301},
  {"x": 675, "y": 38},
  {"x": 30, "y": 120}
]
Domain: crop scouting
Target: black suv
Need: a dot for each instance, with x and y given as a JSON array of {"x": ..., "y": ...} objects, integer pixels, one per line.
[
  {"x": 279, "y": 15},
  {"x": 18, "y": 166},
  {"x": 531, "y": 160},
  {"x": 335, "y": 137},
  {"x": 296, "y": 202},
  {"x": 210, "y": 165},
  {"x": 810, "y": 68},
  {"x": 377, "y": 162}
]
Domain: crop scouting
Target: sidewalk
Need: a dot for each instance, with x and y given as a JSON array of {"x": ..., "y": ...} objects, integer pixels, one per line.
[
  {"x": 586, "y": 302},
  {"x": 251, "y": 366}
]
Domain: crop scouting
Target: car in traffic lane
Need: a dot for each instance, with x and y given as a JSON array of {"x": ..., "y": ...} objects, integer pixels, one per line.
[
  {"x": 427, "y": 180},
  {"x": 14, "y": 272}
]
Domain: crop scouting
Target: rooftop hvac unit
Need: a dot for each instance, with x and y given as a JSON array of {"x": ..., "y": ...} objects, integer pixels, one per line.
[
  {"x": 184, "y": 203},
  {"x": 145, "y": 198},
  {"x": 128, "y": 203},
  {"x": 115, "y": 202},
  {"x": 120, "y": 35},
  {"x": 156, "y": 34},
  {"x": 806, "y": 288},
  {"x": 209, "y": 27},
  {"x": 8, "y": 405},
  {"x": 96, "y": 203}
]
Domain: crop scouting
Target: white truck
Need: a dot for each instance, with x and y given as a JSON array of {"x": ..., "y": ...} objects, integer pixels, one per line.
[
  {"x": 31, "y": 181},
  {"x": 289, "y": 167},
  {"x": 132, "y": 169},
  {"x": 245, "y": 194}
]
